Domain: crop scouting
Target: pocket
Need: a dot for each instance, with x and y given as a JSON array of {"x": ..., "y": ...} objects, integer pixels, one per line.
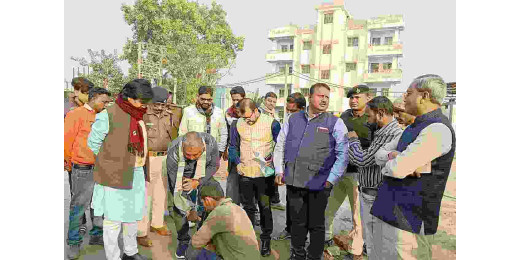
[
  {"x": 83, "y": 174},
  {"x": 314, "y": 167}
]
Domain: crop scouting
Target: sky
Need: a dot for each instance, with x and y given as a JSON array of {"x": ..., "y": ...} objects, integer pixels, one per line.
[{"x": 428, "y": 37}]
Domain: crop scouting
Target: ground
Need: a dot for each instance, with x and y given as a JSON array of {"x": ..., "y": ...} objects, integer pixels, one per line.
[{"x": 164, "y": 247}]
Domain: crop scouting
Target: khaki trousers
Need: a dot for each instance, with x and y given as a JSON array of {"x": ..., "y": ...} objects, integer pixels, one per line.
[
  {"x": 399, "y": 244},
  {"x": 156, "y": 194}
]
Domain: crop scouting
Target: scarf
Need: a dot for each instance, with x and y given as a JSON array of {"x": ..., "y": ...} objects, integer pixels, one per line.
[
  {"x": 207, "y": 114},
  {"x": 135, "y": 139},
  {"x": 232, "y": 112}
]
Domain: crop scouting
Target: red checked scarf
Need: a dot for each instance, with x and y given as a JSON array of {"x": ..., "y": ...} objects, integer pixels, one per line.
[{"x": 135, "y": 140}]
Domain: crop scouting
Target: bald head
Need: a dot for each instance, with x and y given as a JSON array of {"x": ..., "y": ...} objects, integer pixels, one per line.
[{"x": 192, "y": 146}]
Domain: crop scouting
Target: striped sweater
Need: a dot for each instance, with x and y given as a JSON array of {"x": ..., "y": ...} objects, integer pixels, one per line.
[{"x": 369, "y": 172}]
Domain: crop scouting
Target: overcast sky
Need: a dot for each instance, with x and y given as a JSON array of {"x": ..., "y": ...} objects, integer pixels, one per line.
[{"x": 428, "y": 37}]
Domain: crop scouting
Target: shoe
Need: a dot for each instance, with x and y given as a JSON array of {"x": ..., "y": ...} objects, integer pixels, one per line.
[
  {"x": 181, "y": 251},
  {"x": 191, "y": 224},
  {"x": 284, "y": 235},
  {"x": 353, "y": 257},
  {"x": 82, "y": 230},
  {"x": 74, "y": 251},
  {"x": 144, "y": 241},
  {"x": 365, "y": 250},
  {"x": 134, "y": 257},
  {"x": 163, "y": 231},
  {"x": 96, "y": 240},
  {"x": 278, "y": 206},
  {"x": 329, "y": 242},
  {"x": 265, "y": 247}
]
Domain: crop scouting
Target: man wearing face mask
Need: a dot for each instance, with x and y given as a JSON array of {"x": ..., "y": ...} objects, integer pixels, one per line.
[
  {"x": 79, "y": 161},
  {"x": 355, "y": 119},
  {"x": 379, "y": 111},
  {"x": 80, "y": 95},
  {"x": 205, "y": 117},
  {"x": 191, "y": 159},
  {"x": 254, "y": 138}
]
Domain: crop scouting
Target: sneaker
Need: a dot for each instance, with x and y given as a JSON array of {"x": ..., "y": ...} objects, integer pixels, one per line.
[
  {"x": 181, "y": 251},
  {"x": 365, "y": 250},
  {"x": 192, "y": 224},
  {"x": 278, "y": 206},
  {"x": 74, "y": 251},
  {"x": 284, "y": 235},
  {"x": 96, "y": 240},
  {"x": 82, "y": 230},
  {"x": 329, "y": 242},
  {"x": 134, "y": 257}
]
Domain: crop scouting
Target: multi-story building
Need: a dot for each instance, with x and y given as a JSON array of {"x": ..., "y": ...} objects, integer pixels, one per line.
[{"x": 339, "y": 51}]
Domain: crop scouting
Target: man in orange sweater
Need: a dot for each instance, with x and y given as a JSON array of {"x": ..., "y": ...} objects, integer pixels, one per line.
[{"x": 79, "y": 161}]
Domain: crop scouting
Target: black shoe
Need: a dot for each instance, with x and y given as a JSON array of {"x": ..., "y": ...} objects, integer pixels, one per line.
[
  {"x": 329, "y": 243},
  {"x": 365, "y": 250},
  {"x": 134, "y": 257},
  {"x": 265, "y": 248},
  {"x": 96, "y": 240}
]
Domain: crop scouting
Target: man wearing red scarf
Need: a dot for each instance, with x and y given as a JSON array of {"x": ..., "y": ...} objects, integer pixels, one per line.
[{"x": 118, "y": 138}]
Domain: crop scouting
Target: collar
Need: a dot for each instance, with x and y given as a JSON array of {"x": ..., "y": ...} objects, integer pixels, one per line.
[
  {"x": 422, "y": 118},
  {"x": 224, "y": 201},
  {"x": 307, "y": 114},
  {"x": 387, "y": 127},
  {"x": 351, "y": 111},
  {"x": 88, "y": 107}
]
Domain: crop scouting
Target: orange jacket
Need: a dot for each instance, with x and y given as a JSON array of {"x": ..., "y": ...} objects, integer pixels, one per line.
[{"x": 77, "y": 129}]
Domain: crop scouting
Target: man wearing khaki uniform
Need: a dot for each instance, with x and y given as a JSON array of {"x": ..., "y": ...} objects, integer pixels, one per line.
[{"x": 159, "y": 122}]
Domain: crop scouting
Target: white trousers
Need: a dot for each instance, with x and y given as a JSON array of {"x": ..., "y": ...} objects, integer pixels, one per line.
[{"x": 111, "y": 230}]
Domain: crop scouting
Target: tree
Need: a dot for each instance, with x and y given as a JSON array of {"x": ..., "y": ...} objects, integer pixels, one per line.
[
  {"x": 104, "y": 70},
  {"x": 199, "y": 44}
]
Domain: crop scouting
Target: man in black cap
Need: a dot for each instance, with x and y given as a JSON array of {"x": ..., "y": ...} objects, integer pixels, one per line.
[
  {"x": 158, "y": 121},
  {"x": 355, "y": 119}
]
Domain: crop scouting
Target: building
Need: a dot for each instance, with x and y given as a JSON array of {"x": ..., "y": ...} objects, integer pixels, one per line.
[{"x": 339, "y": 51}]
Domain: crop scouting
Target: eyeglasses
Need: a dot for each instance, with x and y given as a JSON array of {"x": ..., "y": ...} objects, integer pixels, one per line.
[{"x": 209, "y": 100}]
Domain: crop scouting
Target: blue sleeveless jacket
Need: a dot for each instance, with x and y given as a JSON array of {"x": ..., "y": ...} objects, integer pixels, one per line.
[{"x": 412, "y": 203}]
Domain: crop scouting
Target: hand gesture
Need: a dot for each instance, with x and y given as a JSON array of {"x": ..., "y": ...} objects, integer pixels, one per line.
[{"x": 186, "y": 184}]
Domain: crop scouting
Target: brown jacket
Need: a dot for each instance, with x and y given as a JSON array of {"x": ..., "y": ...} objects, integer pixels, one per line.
[
  {"x": 162, "y": 126},
  {"x": 114, "y": 165}
]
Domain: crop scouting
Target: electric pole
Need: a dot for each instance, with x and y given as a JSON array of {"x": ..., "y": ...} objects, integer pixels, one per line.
[{"x": 286, "y": 93}]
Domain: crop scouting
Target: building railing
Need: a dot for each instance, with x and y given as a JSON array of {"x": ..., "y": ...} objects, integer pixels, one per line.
[
  {"x": 279, "y": 55},
  {"x": 280, "y": 79},
  {"x": 395, "y": 48},
  {"x": 385, "y": 22},
  {"x": 285, "y": 31},
  {"x": 383, "y": 75}
]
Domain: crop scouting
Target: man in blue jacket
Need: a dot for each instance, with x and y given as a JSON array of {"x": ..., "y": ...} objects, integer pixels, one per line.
[{"x": 310, "y": 156}]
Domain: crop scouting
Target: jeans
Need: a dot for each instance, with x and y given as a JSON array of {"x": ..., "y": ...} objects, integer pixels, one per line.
[
  {"x": 308, "y": 216},
  {"x": 201, "y": 254},
  {"x": 372, "y": 229},
  {"x": 81, "y": 188},
  {"x": 232, "y": 187},
  {"x": 259, "y": 188}
]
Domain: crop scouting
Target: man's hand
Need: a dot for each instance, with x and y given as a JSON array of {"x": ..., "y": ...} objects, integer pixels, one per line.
[
  {"x": 67, "y": 166},
  {"x": 392, "y": 155},
  {"x": 328, "y": 184},
  {"x": 278, "y": 180},
  {"x": 186, "y": 184},
  {"x": 210, "y": 246},
  {"x": 193, "y": 216},
  {"x": 225, "y": 156},
  {"x": 415, "y": 174},
  {"x": 352, "y": 134}
]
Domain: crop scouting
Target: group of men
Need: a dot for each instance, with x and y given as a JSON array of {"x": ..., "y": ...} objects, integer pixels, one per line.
[{"x": 391, "y": 160}]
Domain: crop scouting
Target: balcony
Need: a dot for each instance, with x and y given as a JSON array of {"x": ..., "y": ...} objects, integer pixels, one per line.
[
  {"x": 280, "y": 79},
  {"x": 383, "y": 76},
  {"x": 394, "y": 49},
  {"x": 279, "y": 55},
  {"x": 387, "y": 21},
  {"x": 286, "y": 31}
]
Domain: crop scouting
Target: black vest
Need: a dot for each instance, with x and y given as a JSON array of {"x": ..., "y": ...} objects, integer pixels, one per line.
[{"x": 411, "y": 202}]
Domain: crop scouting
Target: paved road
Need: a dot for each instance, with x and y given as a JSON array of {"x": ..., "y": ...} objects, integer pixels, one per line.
[{"x": 164, "y": 248}]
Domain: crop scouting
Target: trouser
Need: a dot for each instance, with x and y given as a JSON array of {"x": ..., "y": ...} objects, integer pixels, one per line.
[
  {"x": 308, "y": 216},
  {"x": 401, "y": 244},
  {"x": 232, "y": 186},
  {"x": 275, "y": 195},
  {"x": 81, "y": 183},
  {"x": 259, "y": 188},
  {"x": 347, "y": 186},
  {"x": 201, "y": 254},
  {"x": 372, "y": 229},
  {"x": 287, "y": 213},
  {"x": 111, "y": 230},
  {"x": 182, "y": 224},
  {"x": 156, "y": 191}
]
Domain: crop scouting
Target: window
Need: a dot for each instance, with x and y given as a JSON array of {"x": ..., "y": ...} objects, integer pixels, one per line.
[
  {"x": 350, "y": 66},
  {"x": 290, "y": 70},
  {"x": 284, "y": 48},
  {"x": 376, "y": 41},
  {"x": 326, "y": 48},
  {"x": 307, "y": 45},
  {"x": 387, "y": 66},
  {"x": 281, "y": 93},
  {"x": 291, "y": 47},
  {"x": 306, "y": 69},
  {"x": 388, "y": 40},
  {"x": 325, "y": 74},
  {"x": 305, "y": 92},
  {"x": 328, "y": 18},
  {"x": 386, "y": 92},
  {"x": 374, "y": 67},
  {"x": 353, "y": 41},
  {"x": 282, "y": 70}
]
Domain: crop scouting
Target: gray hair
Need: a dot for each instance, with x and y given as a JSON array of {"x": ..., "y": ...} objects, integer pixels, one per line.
[
  {"x": 432, "y": 84},
  {"x": 192, "y": 139}
]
